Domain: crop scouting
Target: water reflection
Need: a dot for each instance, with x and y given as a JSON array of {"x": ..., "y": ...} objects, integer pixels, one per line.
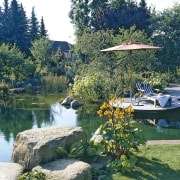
[
  {"x": 164, "y": 119},
  {"x": 14, "y": 120},
  {"x": 159, "y": 125},
  {"x": 24, "y": 113}
]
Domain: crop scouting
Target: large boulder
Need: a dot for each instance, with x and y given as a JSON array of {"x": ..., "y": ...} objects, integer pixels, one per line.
[
  {"x": 10, "y": 171},
  {"x": 75, "y": 104},
  {"x": 38, "y": 146},
  {"x": 67, "y": 101},
  {"x": 66, "y": 169}
]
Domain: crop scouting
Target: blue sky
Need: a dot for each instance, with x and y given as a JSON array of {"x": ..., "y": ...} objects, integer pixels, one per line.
[{"x": 55, "y": 14}]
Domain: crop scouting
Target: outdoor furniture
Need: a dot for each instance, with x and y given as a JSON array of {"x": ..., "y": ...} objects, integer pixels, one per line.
[{"x": 146, "y": 91}]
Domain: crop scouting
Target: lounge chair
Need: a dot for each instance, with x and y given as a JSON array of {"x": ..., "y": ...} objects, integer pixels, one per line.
[{"x": 146, "y": 91}]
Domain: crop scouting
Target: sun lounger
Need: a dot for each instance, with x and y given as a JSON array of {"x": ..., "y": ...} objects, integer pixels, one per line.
[{"x": 146, "y": 91}]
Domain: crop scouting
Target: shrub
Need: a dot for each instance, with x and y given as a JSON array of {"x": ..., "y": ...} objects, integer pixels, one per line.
[
  {"x": 52, "y": 84},
  {"x": 157, "y": 82},
  {"x": 89, "y": 87},
  {"x": 120, "y": 137},
  {"x": 4, "y": 89}
]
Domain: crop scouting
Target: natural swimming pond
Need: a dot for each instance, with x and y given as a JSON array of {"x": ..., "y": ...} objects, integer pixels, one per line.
[{"x": 29, "y": 112}]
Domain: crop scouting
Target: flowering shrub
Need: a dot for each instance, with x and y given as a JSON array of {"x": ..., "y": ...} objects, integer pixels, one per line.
[
  {"x": 89, "y": 87},
  {"x": 120, "y": 137},
  {"x": 157, "y": 82}
]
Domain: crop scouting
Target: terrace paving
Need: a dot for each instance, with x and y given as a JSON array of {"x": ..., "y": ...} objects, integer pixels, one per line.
[
  {"x": 173, "y": 90},
  {"x": 147, "y": 105}
]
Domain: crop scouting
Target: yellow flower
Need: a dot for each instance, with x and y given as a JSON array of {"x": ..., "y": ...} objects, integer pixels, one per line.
[
  {"x": 123, "y": 100},
  {"x": 109, "y": 106},
  {"x": 100, "y": 113}
]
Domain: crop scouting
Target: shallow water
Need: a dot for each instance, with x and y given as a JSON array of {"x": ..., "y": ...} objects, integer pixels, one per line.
[{"x": 29, "y": 112}]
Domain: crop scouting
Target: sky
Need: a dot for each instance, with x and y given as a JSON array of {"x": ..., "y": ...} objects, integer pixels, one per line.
[{"x": 55, "y": 15}]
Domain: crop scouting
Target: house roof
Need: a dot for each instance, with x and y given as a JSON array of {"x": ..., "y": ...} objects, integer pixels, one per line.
[{"x": 62, "y": 44}]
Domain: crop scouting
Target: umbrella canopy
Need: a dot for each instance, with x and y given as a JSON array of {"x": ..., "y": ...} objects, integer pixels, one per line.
[{"x": 130, "y": 46}]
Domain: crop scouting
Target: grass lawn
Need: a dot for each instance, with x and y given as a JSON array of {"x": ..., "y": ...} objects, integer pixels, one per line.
[{"x": 157, "y": 162}]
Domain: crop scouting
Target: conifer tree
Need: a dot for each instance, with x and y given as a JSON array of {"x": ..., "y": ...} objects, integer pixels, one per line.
[
  {"x": 43, "y": 31},
  {"x": 5, "y": 22},
  {"x": 34, "y": 26},
  {"x": 19, "y": 25},
  {"x": 1, "y": 26}
]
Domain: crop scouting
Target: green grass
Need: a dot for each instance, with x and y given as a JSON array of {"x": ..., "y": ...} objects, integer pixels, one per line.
[{"x": 158, "y": 162}]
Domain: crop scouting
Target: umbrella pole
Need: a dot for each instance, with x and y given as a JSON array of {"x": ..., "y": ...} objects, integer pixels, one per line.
[{"x": 131, "y": 76}]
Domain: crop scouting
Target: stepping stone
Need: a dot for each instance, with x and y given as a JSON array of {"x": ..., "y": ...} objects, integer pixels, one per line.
[
  {"x": 66, "y": 169},
  {"x": 10, "y": 171}
]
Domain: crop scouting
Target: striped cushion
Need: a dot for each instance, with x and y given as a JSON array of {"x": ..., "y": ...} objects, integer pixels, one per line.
[{"x": 146, "y": 87}]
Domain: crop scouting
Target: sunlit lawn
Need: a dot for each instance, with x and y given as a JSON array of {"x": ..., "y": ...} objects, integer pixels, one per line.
[{"x": 158, "y": 162}]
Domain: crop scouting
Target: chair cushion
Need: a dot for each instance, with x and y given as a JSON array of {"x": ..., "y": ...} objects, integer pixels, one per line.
[{"x": 145, "y": 87}]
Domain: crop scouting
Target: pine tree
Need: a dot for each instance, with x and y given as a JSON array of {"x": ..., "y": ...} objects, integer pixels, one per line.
[
  {"x": 43, "y": 31},
  {"x": 34, "y": 26},
  {"x": 5, "y": 22},
  {"x": 143, "y": 4},
  {"x": 1, "y": 26},
  {"x": 19, "y": 26}
]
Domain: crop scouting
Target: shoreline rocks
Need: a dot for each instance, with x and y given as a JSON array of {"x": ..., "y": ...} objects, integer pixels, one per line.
[
  {"x": 38, "y": 146},
  {"x": 10, "y": 171},
  {"x": 66, "y": 169},
  {"x": 17, "y": 91},
  {"x": 70, "y": 102}
]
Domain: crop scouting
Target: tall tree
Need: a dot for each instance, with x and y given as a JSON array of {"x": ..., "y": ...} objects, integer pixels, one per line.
[
  {"x": 143, "y": 4},
  {"x": 79, "y": 14},
  {"x": 88, "y": 46},
  {"x": 6, "y": 27},
  {"x": 166, "y": 33},
  {"x": 109, "y": 14},
  {"x": 127, "y": 14},
  {"x": 34, "y": 26},
  {"x": 15, "y": 25},
  {"x": 19, "y": 26},
  {"x": 1, "y": 26},
  {"x": 43, "y": 31},
  {"x": 98, "y": 10},
  {"x": 42, "y": 52}
]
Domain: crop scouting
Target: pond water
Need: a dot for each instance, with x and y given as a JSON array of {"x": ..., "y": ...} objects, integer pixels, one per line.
[{"x": 29, "y": 112}]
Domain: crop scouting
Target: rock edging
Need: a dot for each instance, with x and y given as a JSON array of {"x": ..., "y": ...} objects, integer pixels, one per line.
[
  {"x": 66, "y": 169},
  {"x": 38, "y": 146},
  {"x": 70, "y": 102}
]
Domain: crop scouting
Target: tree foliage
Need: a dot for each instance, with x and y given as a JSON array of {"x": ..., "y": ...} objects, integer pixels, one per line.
[
  {"x": 16, "y": 28},
  {"x": 109, "y": 14},
  {"x": 41, "y": 52},
  {"x": 11, "y": 60},
  {"x": 34, "y": 26},
  {"x": 79, "y": 14},
  {"x": 166, "y": 33},
  {"x": 88, "y": 48}
]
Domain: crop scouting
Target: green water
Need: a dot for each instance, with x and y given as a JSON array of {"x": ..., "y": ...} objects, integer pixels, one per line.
[{"x": 28, "y": 112}]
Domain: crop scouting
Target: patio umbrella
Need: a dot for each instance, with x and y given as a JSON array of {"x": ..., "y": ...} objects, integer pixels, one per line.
[{"x": 130, "y": 46}]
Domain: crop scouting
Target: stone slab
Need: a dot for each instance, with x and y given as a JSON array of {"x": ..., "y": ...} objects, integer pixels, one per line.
[
  {"x": 66, "y": 169},
  {"x": 38, "y": 146},
  {"x": 10, "y": 171}
]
